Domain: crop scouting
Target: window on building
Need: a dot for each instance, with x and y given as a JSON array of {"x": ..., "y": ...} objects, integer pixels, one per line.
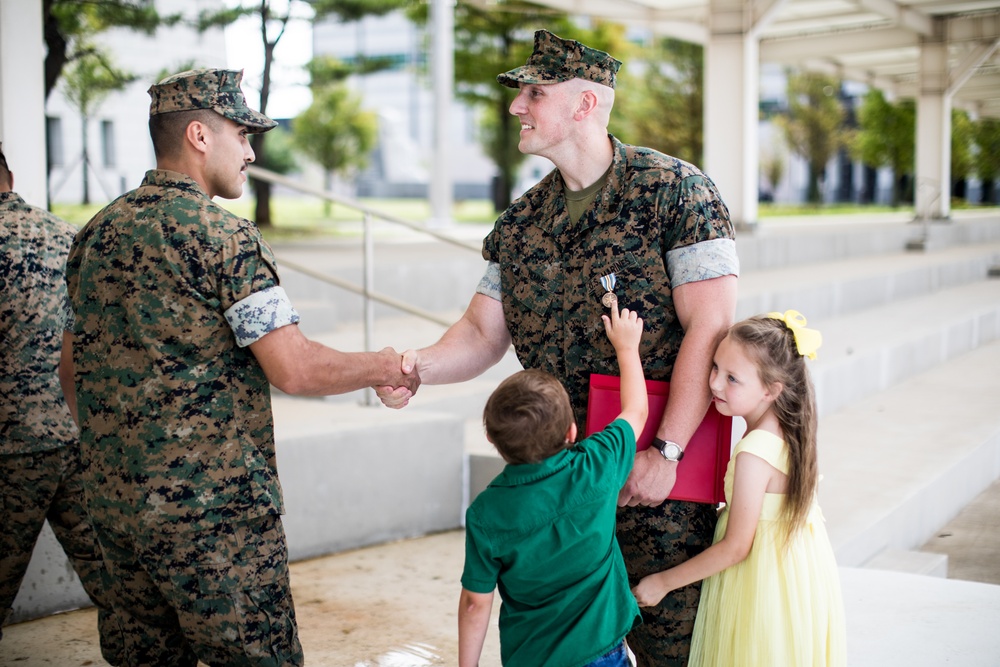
[
  {"x": 108, "y": 143},
  {"x": 54, "y": 140}
]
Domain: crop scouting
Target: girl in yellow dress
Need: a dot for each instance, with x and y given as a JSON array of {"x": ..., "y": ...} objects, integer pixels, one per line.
[{"x": 772, "y": 592}]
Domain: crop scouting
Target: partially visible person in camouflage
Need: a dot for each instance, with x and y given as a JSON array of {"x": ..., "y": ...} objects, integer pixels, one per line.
[
  {"x": 181, "y": 324},
  {"x": 611, "y": 218},
  {"x": 40, "y": 473}
]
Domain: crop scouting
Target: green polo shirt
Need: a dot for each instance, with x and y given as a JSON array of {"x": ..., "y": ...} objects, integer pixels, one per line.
[{"x": 544, "y": 535}]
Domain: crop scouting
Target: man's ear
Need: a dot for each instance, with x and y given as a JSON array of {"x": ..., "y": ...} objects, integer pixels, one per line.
[
  {"x": 197, "y": 135},
  {"x": 587, "y": 104}
]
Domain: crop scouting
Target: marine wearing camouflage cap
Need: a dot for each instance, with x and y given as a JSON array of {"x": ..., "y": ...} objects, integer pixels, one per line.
[
  {"x": 556, "y": 59},
  {"x": 215, "y": 89}
]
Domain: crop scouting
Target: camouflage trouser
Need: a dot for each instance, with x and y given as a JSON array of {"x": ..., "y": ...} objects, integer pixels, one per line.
[
  {"x": 653, "y": 539},
  {"x": 221, "y": 596},
  {"x": 47, "y": 485}
]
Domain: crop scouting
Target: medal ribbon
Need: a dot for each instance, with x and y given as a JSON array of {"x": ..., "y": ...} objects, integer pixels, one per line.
[{"x": 608, "y": 282}]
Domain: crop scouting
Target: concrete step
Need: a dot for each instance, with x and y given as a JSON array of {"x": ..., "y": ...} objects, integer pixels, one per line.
[
  {"x": 871, "y": 350},
  {"x": 834, "y": 288},
  {"x": 781, "y": 242},
  {"x": 354, "y": 476},
  {"x": 902, "y": 462},
  {"x": 914, "y": 562},
  {"x": 442, "y": 277}
]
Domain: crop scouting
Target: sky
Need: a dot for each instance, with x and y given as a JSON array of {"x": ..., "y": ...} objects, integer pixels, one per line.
[{"x": 289, "y": 81}]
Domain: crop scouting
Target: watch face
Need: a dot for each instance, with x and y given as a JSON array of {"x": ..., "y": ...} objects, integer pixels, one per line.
[{"x": 672, "y": 451}]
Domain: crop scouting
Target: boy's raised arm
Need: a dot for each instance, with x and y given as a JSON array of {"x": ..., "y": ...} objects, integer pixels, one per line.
[{"x": 625, "y": 331}]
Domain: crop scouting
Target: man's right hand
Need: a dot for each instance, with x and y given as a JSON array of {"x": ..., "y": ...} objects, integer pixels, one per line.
[{"x": 399, "y": 396}]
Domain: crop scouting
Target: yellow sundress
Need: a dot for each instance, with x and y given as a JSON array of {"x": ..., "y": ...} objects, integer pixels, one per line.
[{"x": 781, "y": 606}]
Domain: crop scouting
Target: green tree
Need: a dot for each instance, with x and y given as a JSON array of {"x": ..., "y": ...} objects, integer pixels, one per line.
[
  {"x": 86, "y": 84},
  {"x": 70, "y": 26},
  {"x": 663, "y": 107},
  {"x": 335, "y": 131},
  {"x": 886, "y": 137},
  {"x": 986, "y": 133},
  {"x": 813, "y": 124},
  {"x": 273, "y": 17},
  {"x": 961, "y": 151},
  {"x": 281, "y": 152}
]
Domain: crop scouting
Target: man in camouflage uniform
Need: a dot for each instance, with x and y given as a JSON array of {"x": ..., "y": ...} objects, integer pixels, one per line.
[
  {"x": 647, "y": 227},
  {"x": 180, "y": 325},
  {"x": 40, "y": 472}
]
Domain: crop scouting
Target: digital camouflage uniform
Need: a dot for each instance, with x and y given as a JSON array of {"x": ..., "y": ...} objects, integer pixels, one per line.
[
  {"x": 550, "y": 269},
  {"x": 40, "y": 475},
  {"x": 177, "y": 435}
]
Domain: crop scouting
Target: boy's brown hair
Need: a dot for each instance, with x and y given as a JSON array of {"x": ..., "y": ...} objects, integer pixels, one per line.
[{"x": 527, "y": 417}]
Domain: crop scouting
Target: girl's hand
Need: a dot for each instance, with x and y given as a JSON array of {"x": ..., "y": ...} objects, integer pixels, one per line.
[
  {"x": 650, "y": 590},
  {"x": 624, "y": 330}
]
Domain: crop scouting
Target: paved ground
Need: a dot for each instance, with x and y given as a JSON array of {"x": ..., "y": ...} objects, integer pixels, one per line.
[
  {"x": 395, "y": 605},
  {"x": 972, "y": 540}
]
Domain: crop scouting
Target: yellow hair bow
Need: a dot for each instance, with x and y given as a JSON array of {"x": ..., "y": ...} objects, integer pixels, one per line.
[{"x": 807, "y": 341}]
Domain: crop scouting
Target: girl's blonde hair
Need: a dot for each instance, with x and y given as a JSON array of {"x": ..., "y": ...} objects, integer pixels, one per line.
[{"x": 770, "y": 344}]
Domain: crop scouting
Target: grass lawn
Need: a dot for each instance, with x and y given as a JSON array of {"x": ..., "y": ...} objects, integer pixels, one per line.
[
  {"x": 303, "y": 216},
  {"x": 297, "y": 217}
]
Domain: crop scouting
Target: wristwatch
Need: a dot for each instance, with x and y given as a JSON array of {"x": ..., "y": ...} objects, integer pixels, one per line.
[{"x": 671, "y": 450}]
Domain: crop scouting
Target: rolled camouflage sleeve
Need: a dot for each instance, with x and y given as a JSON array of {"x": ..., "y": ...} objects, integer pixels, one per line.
[
  {"x": 66, "y": 315},
  {"x": 702, "y": 261},
  {"x": 489, "y": 285},
  {"x": 259, "y": 314}
]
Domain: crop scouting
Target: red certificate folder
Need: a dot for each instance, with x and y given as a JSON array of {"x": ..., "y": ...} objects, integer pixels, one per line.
[{"x": 701, "y": 472}]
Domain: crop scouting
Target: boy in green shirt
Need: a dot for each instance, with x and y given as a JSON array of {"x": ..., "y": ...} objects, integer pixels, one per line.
[{"x": 543, "y": 532}]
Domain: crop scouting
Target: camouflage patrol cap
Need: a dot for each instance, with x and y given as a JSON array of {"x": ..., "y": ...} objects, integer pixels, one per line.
[
  {"x": 555, "y": 59},
  {"x": 215, "y": 89}
]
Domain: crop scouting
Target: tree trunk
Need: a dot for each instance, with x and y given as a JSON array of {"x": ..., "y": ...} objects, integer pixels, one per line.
[
  {"x": 812, "y": 193},
  {"x": 986, "y": 196},
  {"x": 55, "y": 43},
  {"x": 85, "y": 163},
  {"x": 262, "y": 189}
]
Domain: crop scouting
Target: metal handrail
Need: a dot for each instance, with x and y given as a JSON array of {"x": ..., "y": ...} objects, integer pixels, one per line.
[
  {"x": 366, "y": 291},
  {"x": 276, "y": 178}
]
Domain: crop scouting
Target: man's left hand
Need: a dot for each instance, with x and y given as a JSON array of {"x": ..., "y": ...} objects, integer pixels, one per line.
[{"x": 650, "y": 482}]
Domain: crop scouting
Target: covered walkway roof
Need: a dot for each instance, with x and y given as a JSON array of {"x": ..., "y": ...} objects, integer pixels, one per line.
[{"x": 871, "y": 41}]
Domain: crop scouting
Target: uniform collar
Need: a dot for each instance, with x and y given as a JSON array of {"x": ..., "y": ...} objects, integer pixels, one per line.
[
  {"x": 525, "y": 473},
  {"x": 173, "y": 179},
  {"x": 10, "y": 197},
  {"x": 553, "y": 216}
]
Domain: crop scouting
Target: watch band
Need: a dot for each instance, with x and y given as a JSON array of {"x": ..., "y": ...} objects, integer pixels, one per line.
[{"x": 662, "y": 445}]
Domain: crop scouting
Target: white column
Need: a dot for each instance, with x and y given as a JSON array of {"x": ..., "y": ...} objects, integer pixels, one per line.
[
  {"x": 731, "y": 108},
  {"x": 932, "y": 189},
  {"x": 443, "y": 20},
  {"x": 22, "y": 96}
]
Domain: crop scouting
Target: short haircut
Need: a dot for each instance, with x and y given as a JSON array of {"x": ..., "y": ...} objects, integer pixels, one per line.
[
  {"x": 4, "y": 170},
  {"x": 527, "y": 417},
  {"x": 167, "y": 129}
]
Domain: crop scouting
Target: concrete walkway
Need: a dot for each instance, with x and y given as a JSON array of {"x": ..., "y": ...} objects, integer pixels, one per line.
[{"x": 395, "y": 605}]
